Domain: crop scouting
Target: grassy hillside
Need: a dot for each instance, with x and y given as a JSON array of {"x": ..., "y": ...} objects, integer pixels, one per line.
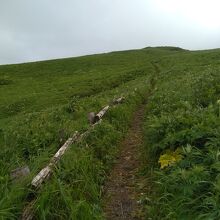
[
  {"x": 43, "y": 103},
  {"x": 182, "y": 136}
]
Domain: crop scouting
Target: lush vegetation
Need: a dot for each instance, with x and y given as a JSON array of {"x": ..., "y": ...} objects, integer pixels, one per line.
[
  {"x": 43, "y": 103},
  {"x": 183, "y": 136}
]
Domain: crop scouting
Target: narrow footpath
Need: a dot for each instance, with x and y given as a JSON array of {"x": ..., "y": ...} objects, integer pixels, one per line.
[{"x": 121, "y": 194}]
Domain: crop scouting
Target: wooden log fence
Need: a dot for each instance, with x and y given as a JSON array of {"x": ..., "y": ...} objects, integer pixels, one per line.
[
  {"x": 101, "y": 113},
  {"x": 46, "y": 172}
]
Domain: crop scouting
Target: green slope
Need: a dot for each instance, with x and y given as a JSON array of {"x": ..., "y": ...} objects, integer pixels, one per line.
[
  {"x": 182, "y": 136},
  {"x": 44, "y": 102}
]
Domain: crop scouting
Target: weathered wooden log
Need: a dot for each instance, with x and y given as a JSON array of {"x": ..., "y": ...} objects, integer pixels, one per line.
[
  {"x": 118, "y": 101},
  {"x": 62, "y": 150},
  {"x": 101, "y": 113},
  {"x": 41, "y": 176},
  {"x": 46, "y": 172}
]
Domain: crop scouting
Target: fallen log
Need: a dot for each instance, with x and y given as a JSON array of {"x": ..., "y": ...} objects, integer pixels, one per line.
[
  {"x": 118, "y": 101},
  {"x": 94, "y": 118},
  {"x": 46, "y": 172},
  {"x": 41, "y": 176},
  {"x": 62, "y": 150},
  {"x": 101, "y": 113}
]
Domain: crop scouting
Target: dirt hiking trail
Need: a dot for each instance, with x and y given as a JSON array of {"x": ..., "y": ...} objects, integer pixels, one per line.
[{"x": 120, "y": 191}]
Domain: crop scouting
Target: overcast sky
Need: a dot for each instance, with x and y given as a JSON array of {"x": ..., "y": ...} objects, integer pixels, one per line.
[{"x": 46, "y": 29}]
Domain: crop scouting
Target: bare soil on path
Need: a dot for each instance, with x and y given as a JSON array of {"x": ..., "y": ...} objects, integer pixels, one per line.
[{"x": 121, "y": 191}]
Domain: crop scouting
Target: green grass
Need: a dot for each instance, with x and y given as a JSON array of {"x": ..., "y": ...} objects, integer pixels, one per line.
[
  {"x": 43, "y": 103},
  {"x": 183, "y": 113}
]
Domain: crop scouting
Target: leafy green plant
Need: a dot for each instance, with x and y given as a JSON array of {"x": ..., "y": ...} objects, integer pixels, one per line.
[{"x": 184, "y": 112}]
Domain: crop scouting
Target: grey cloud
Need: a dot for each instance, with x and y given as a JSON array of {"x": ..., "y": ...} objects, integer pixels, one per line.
[{"x": 45, "y": 29}]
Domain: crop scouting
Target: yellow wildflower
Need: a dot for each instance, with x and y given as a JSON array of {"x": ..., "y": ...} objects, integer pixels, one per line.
[{"x": 170, "y": 158}]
